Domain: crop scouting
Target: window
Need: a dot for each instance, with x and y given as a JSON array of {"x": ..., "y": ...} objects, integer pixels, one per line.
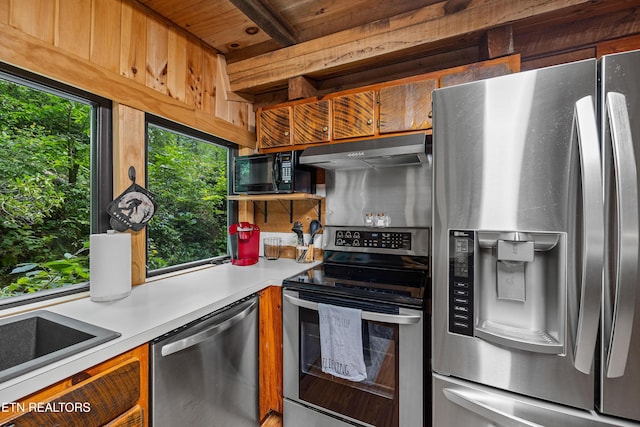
[
  {"x": 188, "y": 173},
  {"x": 55, "y": 182}
]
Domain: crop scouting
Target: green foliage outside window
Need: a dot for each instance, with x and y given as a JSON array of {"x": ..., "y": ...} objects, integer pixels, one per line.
[
  {"x": 45, "y": 148},
  {"x": 189, "y": 178},
  {"x": 45, "y": 200}
]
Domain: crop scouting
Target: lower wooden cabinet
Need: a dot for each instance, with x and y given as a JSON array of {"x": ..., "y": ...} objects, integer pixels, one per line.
[
  {"x": 134, "y": 417},
  {"x": 113, "y": 393},
  {"x": 271, "y": 394}
]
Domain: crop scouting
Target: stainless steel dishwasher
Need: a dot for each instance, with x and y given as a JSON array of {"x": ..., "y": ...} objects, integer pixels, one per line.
[{"x": 206, "y": 373}]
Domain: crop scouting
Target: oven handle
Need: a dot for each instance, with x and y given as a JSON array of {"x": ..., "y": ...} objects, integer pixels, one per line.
[{"x": 398, "y": 319}]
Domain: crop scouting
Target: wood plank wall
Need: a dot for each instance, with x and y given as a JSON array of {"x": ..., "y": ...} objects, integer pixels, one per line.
[
  {"x": 120, "y": 50},
  {"x": 121, "y": 44}
]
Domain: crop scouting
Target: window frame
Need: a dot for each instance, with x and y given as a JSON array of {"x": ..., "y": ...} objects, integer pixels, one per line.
[
  {"x": 232, "y": 211},
  {"x": 101, "y": 161}
]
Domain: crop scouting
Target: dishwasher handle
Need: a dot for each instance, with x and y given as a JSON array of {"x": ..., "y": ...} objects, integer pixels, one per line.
[{"x": 244, "y": 310}]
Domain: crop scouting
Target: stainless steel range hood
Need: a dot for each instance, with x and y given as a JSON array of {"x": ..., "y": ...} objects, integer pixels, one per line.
[{"x": 400, "y": 150}]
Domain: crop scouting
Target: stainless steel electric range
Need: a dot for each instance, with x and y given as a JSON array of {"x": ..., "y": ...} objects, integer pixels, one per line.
[{"x": 384, "y": 272}]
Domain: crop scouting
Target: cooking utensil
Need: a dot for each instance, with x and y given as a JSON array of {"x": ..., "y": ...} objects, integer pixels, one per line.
[
  {"x": 301, "y": 253},
  {"x": 297, "y": 228},
  {"x": 314, "y": 227}
]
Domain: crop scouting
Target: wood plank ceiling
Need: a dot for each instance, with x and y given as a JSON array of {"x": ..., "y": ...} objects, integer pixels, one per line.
[{"x": 337, "y": 44}]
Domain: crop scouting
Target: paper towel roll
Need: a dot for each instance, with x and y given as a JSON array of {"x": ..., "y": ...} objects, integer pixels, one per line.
[{"x": 109, "y": 266}]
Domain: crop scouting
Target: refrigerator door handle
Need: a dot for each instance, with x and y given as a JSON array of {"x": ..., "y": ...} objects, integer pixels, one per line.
[
  {"x": 626, "y": 268},
  {"x": 475, "y": 403},
  {"x": 586, "y": 131}
]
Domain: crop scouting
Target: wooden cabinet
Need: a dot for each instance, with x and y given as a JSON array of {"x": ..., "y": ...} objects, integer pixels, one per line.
[
  {"x": 134, "y": 417},
  {"x": 113, "y": 393},
  {"x": 311, "y": 122},
  {"x": 274, "y": 127},
  {"x": 406, "y": 107},
  {"x": 354, "y": 115},
  {"x": 373, "y": 111},
  {"x": 271, "y": 389}
]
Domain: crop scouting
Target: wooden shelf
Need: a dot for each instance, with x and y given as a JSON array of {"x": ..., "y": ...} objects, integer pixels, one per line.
[
  {"x": 291, "y": 197},
  {"x": 270, "y": 197}
]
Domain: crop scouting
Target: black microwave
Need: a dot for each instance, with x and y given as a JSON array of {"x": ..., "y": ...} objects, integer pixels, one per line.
[{"x": 271, "y": 173}]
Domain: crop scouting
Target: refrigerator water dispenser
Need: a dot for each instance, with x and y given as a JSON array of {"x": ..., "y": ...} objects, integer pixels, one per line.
[
  {"x": 509, "y": 288},
  {"x": 513, "y": 255}
]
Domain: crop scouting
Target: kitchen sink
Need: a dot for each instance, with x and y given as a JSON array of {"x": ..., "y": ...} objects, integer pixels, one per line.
[{"x": 32, "y": 340}]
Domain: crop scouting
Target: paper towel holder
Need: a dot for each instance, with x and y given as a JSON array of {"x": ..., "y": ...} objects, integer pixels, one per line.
[{"x": 109, "y": 266}]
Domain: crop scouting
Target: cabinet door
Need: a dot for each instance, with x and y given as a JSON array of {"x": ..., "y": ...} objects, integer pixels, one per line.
[
  {"x": 406, "y": 107},
  {"x": 311, "y": 122},
  {"x": 134, "y": 417},
  {"x": 354, "y": 115},
  {"x": 274, "y": 127},
  {"x": 270, "y": 358},
  {"x": 92, "y": 398}
]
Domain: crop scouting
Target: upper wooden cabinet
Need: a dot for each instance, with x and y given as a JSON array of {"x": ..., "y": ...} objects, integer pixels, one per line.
[
  {"x": 381, "y": 109},
  {"x": 311, "y": 122},
  {"x": 406, "y": 107},
  {"x": 274, "y": 127},
  {"x": 354, "y": 115}
]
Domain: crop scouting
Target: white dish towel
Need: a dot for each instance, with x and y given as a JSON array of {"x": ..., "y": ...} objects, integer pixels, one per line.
[{"x": 341, "y": 342}]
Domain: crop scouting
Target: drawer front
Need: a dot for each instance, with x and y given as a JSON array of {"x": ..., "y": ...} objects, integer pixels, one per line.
[{"x": 92, "y": 402}]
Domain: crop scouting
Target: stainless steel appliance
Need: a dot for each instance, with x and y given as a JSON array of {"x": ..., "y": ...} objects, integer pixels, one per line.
[
  {"x": 385, "y": 273},
  {"x": 390, "y": 151},
  {"x": 519, "y": 249},
  {"x": 271, "y": 173},
  {"x": 376, "y": 258},
  {"x": 376, "y": 182},
  {"x": 206, "y": 373}
]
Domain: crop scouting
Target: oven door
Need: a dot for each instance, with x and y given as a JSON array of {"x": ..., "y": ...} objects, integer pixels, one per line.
[{"x": 390, "y": 396}]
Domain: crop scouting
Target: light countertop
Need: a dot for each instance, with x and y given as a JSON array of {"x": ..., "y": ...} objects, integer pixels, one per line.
[{"x": 152, "y": 309}]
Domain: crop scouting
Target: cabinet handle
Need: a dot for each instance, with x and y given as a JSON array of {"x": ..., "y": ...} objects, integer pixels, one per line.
[
  {"x": 286, "y": 133},
  {"x": 430, "y": 114},
  {"x": 370, "y": 121},
  {"x": 325, "y": 128}
]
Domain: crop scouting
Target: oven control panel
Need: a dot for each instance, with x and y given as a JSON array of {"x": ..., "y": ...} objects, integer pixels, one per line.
[
  {"x": 373, "y": 239},
  {"x": 461, "y": 247}
]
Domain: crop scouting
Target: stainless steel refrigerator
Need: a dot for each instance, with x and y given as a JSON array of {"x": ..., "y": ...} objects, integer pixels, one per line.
[{"x": 535, "y": 258}]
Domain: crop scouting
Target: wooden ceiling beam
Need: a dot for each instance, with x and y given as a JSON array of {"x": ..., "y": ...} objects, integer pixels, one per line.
[
  {"x": 301, "y": 87},
  {"x": 541, "y": 41},
  {"x": 367, "y": 45},
  {"x": 497, "y": 42},
  {"x": 266, "y": 20}
]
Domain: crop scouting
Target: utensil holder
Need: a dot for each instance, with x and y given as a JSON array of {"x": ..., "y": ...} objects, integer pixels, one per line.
[{"x": 304, "y": 254}]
